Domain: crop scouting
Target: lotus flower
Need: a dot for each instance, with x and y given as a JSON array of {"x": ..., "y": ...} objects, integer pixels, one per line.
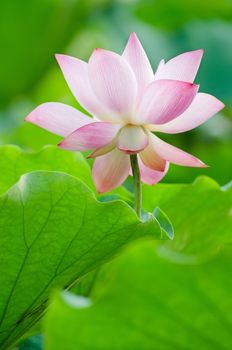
[{"x": 128, "y": 104}]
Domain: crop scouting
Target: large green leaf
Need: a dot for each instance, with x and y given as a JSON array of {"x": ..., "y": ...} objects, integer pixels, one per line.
[
  {"x": 149, "y": 303},
  {"x": 15, "y": 162},
  {"x": 201, "y": 214},
  {"x": 52, "y": 232},
  {"x": 197, "y": 205}
]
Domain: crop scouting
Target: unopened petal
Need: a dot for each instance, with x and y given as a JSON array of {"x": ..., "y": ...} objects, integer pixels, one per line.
[
  {"x": 183, "y": 67},
  {"x": 175, "y": 155},
  {"x": 58, "y": 118},
  {"x": 113, "y": 81},
  {"x": 138, "y": 60},
  {"x": 132, "y": 139},
  {"x": 111, "y": 170},
  {"x": 164, "y": 100},
  {"x": 203, "y": 107},
  {"x": 94, "y": 135}
]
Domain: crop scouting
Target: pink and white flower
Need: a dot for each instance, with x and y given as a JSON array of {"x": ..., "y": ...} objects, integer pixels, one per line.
[{"x": 128, "y": 102}]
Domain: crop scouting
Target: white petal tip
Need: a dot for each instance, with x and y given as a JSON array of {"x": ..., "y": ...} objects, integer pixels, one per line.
[
  {"x": 221, "y": 105},
  {"x": 198, "y": 164},
  {"x": 203, "y": 165},
  {"x": 59, "y": 57},
  {"x": 27, "y": 119},
  {"x": 200, "y": 51},
  {"x": 133, "y": 36},
  {"x": 216, "y": 104},
  {"x": 31, "y": 118},
  {"x": 97, "y": 52},
  {"x": 195, "y": 163}
]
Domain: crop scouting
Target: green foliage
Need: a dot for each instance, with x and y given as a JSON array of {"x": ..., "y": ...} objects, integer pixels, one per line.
[
  {"x": 52, "y": 232},
  {"x": 31, "y": 32},
  {"x": 200, "y": 213},
  {"x": 149, "y": 303},
  {"x": 170, "y": 14},
  {"x": 14, "y": 163},
  {"x": 33, "y": 343},
  {"x": 215, "y": 154}
]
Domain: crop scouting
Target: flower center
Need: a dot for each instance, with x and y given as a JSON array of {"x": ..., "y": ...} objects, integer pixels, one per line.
[{"x": 132, "y": 139}]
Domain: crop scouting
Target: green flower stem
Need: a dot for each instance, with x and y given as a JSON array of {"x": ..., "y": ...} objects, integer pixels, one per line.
[{"x": 137, "y": 184}]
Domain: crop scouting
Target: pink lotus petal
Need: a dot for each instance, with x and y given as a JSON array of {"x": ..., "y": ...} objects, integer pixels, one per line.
[
  {"x": 164, "y": 100},
  {"x": 138, "y": 60},
  {"x": 160, "y": 65},
  {"x": 113, "y": 81},
  {"x": 111, "y": 170},
  {"x": 150, "y": 176},
  {"x": 75, "y": 72},
  {"x": 58, "y": 118},
  {"x": 203, "y": 107},
  {"x": 183, "y": 67},
  {"x": 175, "y": 155},
  {"x": 132, "y": 139},
  {"x": 94, "y": 135},
  {"x": 103, "y": 150},
  {"x": 151, "y": 159}
]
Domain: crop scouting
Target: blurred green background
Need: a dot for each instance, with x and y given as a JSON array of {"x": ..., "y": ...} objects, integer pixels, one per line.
[{"x": 31, "y": 32}]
